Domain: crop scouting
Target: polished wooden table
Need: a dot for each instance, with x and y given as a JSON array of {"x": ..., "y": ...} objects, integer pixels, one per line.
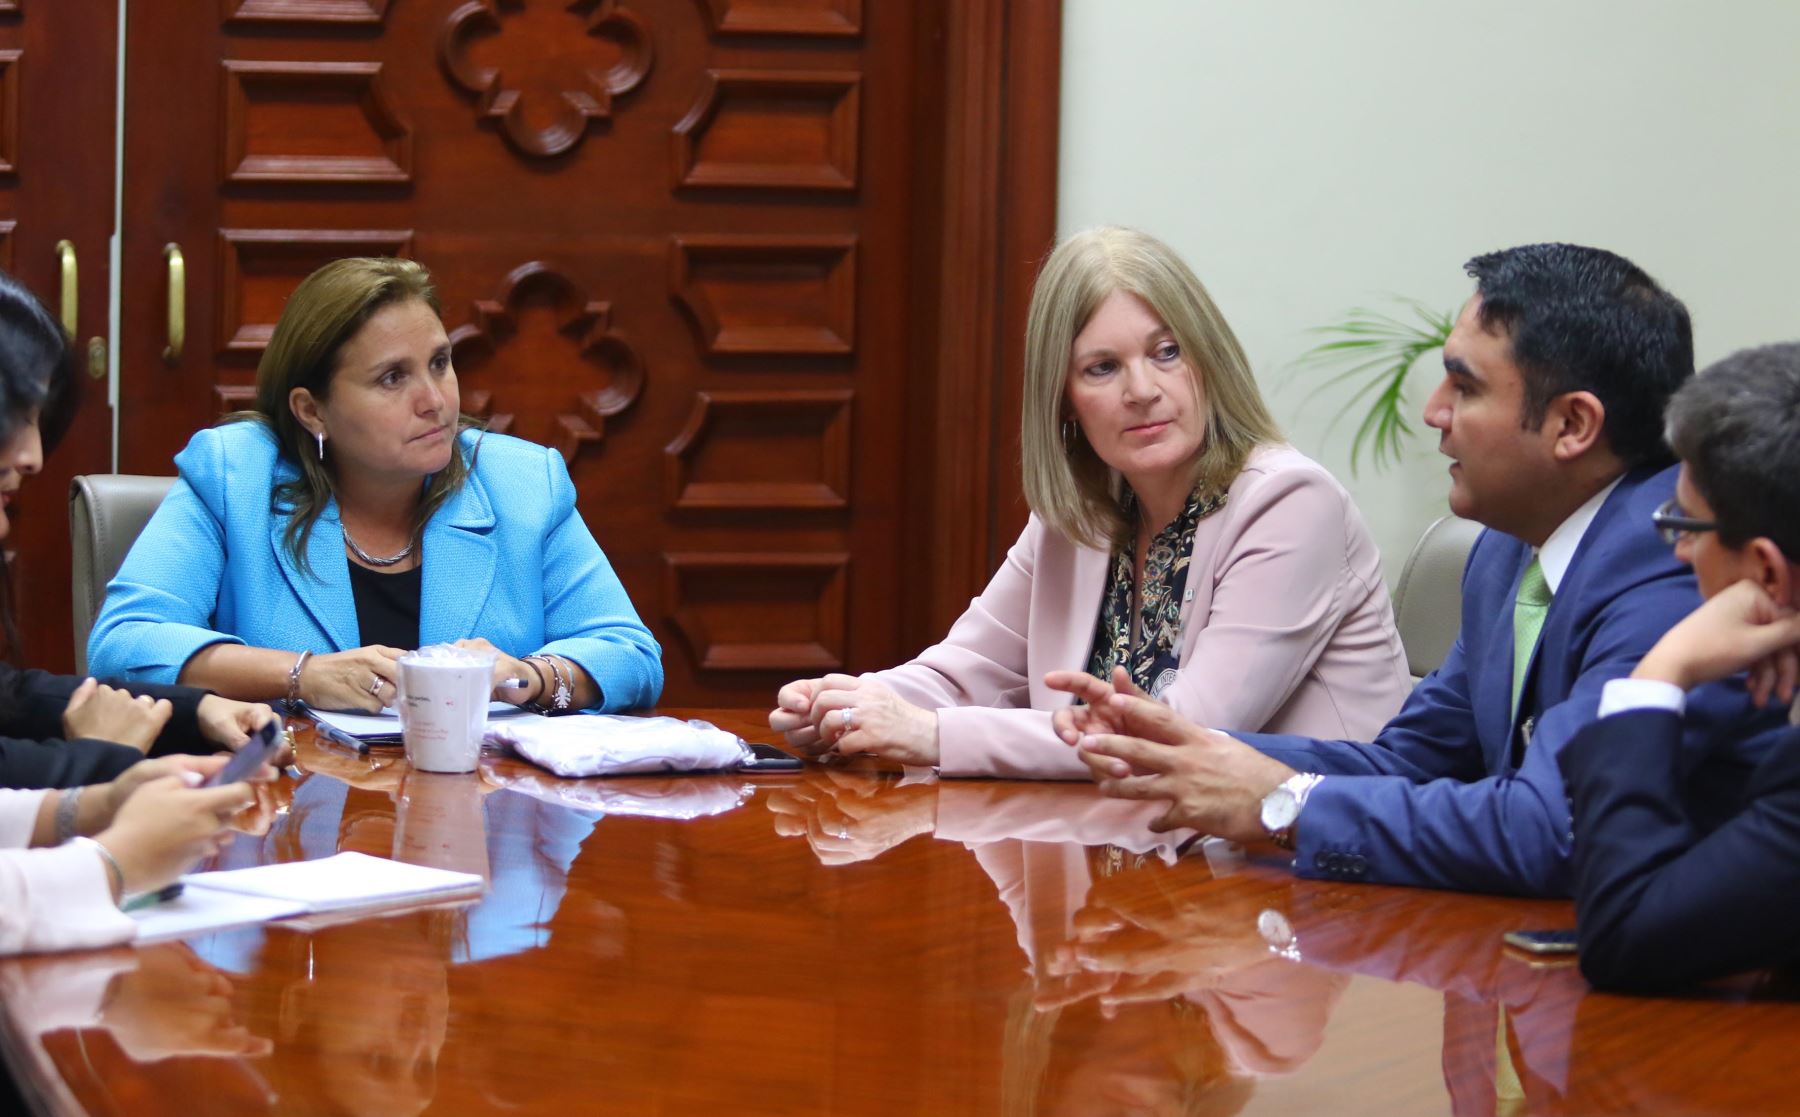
[{"x": 845, "y": 942}]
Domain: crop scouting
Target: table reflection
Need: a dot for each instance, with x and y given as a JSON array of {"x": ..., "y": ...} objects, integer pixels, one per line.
[
  {"x": 162, "y": 1010},
  {"x": 359, "y": 1012},
  {"x": 1148, "y": 988},
  {"x": 866, "y": 944},
  {"x": 517, "y": 827}
]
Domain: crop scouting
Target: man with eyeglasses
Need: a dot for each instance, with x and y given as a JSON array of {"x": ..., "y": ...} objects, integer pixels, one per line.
[
  {"x": 1555, "y": 379},
  {"x": 1662, "y": 897}
]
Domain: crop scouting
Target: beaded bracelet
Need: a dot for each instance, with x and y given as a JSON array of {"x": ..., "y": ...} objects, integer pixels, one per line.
[
  {"x": 560, "y": 688},
  {"x": 65, "y": 817}
]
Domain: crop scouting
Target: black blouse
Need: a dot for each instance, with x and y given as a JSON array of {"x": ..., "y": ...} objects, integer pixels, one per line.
[{"x": 387, "y": 606}]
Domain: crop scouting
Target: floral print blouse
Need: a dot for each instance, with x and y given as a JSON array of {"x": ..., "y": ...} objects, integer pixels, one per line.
[{"x": 1154, "y": 661}]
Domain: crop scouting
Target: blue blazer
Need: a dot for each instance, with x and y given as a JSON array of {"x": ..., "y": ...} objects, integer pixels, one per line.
[
  {"x": 506, "y": 557},
  {"x": 1661, "y": 898},
  {"x": 1447, "y": 795}
]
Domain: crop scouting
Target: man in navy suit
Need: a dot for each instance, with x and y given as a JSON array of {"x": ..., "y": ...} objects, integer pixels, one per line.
[
  {"x": 1663, "y": 898},
  {"x": 1555, "y": 379}
]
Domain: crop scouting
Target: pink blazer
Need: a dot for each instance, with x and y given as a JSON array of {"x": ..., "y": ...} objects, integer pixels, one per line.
[{"x": 1287, "y": 628}]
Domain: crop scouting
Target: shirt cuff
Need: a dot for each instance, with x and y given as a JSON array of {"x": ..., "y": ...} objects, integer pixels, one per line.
[{"x": 1621, "y": 695}]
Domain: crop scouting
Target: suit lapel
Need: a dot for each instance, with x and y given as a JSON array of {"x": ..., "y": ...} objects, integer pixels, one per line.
[
  {"x": 325, "y": 592},
  {"x": 1556, "y": 639},
  {"x": 1496, "y": 724},
  {"x": 1075, "y": 619},
  {"x": 460, "y": 563}
]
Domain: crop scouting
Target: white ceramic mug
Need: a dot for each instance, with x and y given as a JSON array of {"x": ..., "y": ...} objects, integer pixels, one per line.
[{"x": 443, "y": 707}]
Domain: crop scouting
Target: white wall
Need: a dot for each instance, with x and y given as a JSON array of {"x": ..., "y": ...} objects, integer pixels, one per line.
[{"x": 1307, "y": 156}]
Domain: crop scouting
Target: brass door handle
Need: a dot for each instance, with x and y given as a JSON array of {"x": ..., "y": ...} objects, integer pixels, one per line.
[
  {"x": 177, "y": 301},
  {"x": 70, "y": 310}
]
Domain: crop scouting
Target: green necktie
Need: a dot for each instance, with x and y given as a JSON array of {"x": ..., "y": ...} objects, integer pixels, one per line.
[{"x": 1528, "y": 620}]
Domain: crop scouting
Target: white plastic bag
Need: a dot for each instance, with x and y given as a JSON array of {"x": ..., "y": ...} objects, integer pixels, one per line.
[
  {"x": 616, "y": 745},
  {"x": 687, "y": 797}
]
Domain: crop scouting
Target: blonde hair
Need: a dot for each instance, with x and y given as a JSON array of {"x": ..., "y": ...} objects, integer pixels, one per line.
[
  {"x": 321, "y": 317},
  {"x": 1066, "y": 483}
]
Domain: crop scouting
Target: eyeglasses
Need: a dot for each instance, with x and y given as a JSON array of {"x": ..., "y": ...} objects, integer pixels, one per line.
[{"x": 1672, "y": 522}]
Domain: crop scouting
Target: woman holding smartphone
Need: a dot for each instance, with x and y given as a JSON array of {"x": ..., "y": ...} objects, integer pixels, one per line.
[
  {"x": 58, "y": 730},
  {"x": 147, "y": 822}
]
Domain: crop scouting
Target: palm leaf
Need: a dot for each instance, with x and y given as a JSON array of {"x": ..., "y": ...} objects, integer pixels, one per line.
[{"x": 1375, "y": 351}]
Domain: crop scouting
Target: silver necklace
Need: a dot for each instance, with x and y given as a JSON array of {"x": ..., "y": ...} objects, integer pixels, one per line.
[{"x": 374, "y": 560}]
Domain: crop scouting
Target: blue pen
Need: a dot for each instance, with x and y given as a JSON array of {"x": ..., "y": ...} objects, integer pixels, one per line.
[
  {"x": 338, "y": 737},
  {"x": 147, "y": 899}
]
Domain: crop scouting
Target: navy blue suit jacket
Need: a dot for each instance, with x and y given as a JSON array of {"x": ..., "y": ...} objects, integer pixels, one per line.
[
  {"x": 1661, "y": 897},
  {"x": 1448, "y": 795}
]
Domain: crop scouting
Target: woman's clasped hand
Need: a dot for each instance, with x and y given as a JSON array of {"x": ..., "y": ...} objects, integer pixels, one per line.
[
  {"x": 104, "y": 713},
  {"x": 848, "y": 716}
]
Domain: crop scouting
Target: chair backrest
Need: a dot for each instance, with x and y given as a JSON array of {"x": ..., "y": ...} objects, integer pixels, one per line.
[
  {"x": 1428, "y": 605},
  {"x": 106, "y": 512}
]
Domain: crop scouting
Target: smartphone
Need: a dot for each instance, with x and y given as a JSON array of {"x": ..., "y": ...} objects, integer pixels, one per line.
[
  {"x": 1542, "y": 942},
  {"x": 257, "y": 751},
  {"x": 768, "y": 758}
]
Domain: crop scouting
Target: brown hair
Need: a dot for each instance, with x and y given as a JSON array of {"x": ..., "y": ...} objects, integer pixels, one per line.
[{"x": 327, "y": 310}]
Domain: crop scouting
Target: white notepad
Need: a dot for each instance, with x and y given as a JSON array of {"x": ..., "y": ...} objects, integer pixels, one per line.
[
  {"x": 200, "y": 911},
  {"x": 384, "y": 727},
  {"x": 238, "y": 897}
]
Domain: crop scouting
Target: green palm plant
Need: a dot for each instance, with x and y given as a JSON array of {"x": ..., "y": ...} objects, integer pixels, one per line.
[{"x": 1376, "y": 351}]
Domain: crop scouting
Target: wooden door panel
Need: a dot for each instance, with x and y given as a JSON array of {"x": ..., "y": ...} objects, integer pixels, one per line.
[
  {"x": 56, "y": 184},
  {"x": 689, "y": 243}
]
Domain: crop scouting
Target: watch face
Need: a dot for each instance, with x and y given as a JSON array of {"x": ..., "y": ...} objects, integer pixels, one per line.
[
  {"x": 1279, "y": 809},
  {"x": 1274, "y": 928}
]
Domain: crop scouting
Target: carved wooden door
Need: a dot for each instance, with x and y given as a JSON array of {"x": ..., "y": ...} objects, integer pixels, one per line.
[
  {"x": 679, "y": 240},
  {"x": 57, "y": 96}
]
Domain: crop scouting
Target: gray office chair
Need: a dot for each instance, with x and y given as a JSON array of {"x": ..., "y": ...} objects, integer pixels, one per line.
[
  {"x": 106, "y": 512},
  {"x": 1428, "y": 604}
]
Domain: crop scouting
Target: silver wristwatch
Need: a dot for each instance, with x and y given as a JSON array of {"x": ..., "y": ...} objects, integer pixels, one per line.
[{"x": 1281, "y": 807}]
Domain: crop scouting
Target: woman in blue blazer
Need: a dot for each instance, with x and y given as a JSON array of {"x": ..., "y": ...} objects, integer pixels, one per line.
[{"x": 355, "y": 513}]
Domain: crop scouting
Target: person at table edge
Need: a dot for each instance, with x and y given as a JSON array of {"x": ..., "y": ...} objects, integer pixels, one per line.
[
  {"x": 1661, "y": 897},
  {"x": 1173, "y": 534},
  {"x": 355, "y": 513},
  {"x": 1555, "y": 379}
]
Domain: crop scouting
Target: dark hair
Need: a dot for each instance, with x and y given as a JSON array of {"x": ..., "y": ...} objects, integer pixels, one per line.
[
  {"x": 32, "y": 353},
  {"x": 34, "y": 375},
  {"x": 1737, "y": 426},
  {"x": 1583, "y": 319},
  {"x": 320, "y": 318}
]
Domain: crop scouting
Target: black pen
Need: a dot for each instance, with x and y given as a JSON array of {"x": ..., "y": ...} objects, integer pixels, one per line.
[{"x": 147, "y": 899}]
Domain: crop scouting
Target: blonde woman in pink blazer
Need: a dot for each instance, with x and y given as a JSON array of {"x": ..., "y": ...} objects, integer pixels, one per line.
[{"x": 1172, "y": 534}]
